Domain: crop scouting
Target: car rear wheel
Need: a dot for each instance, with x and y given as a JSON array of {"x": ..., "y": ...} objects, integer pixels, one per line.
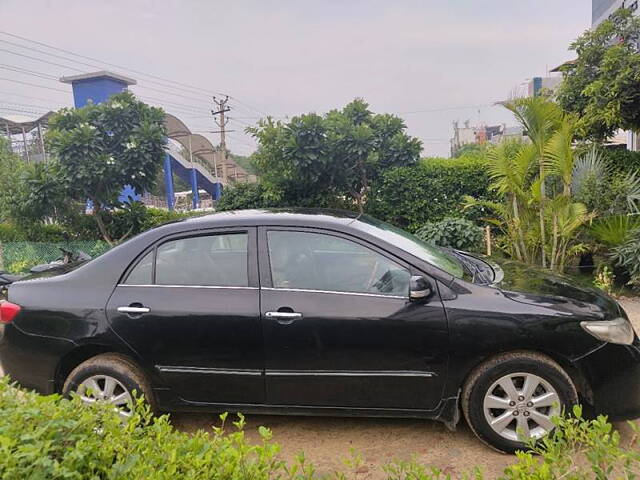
[
  {"x": 513, "y": 397},
  {"x": 109, "y": 378}
]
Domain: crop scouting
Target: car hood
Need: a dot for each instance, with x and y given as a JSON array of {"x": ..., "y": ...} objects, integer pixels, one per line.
[{"x": 526, "y": 284}]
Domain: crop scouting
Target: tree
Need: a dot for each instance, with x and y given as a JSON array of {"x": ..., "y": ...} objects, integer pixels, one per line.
[
  {"x": 11, "y": 167},
  {"x": 101, "y": 148},
  {"x": 540, "y": 118},
  {"x": 602, "y": 86},
  {"x": 538, "y": 214},
  {"x": 38, "y": 194},
  {"x": 330, "y": 160}
]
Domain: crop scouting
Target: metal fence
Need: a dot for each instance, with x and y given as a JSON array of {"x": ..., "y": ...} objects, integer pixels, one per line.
[{"x": 18, "y": 257}]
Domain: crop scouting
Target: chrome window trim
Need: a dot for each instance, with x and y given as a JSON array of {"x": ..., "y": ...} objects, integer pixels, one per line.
[
  {"x": 295, "y": 373},
  {"x": 187, "y": 286},
  {"x": 208, "y": 371},
  {"x": 361, "y": 294},
  {"x": 348, "y": 373}
]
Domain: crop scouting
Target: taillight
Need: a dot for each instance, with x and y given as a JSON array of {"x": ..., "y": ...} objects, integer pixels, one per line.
[{"x": 8, "y": 311}]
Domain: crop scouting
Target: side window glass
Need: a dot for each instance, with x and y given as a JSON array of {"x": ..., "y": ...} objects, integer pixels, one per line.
[
  {"x": 142, "y": 272},
  {"x": 314, "y": 261},
  {"x": 212, "y": 260}
]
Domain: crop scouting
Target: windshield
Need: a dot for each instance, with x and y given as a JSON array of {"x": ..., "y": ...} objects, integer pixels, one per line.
[{"x": 412, "y": 244}]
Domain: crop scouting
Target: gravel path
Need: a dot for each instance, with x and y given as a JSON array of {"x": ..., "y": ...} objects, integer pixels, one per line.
[{"x": 328, "y": 441}]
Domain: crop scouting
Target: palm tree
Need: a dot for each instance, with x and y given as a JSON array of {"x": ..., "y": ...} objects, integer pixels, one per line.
[
  {"x": 509, "y": 166},
  {"x": 540, "y": 118}
]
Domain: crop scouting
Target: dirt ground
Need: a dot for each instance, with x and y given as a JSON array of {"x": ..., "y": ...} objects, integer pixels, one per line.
[{"x": 328, "y": 441}]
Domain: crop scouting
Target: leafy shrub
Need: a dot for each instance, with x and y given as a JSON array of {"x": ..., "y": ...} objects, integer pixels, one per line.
[
  {"x": 49, "y": 437},
  {"x": 614, "y": 230},
  {"x": 132, "y": 219},
  {"x": 410, "y": 197},
  {"x": 54, "y": 438},
  {"x": 622, "y": 160},
  {"x": 243, "y": 195},
  {"x": 627, "y": 256},
  {"x": 457, "y": 233},
  {"x": 32, "y": 232}
]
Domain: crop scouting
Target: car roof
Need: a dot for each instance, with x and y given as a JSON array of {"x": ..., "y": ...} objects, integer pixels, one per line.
[{"x": 276, "y": 216}]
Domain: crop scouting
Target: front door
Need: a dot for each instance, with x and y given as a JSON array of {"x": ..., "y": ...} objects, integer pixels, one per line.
[
  {"x": 190, "y": 309},
  {"x": 339, "y": 328}
]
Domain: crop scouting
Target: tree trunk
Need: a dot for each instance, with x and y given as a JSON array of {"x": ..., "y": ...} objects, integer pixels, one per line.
[
  {"x": 554, "y": 244},
  {"x": 543, "y": 256},
  {"x": 97, "y": 212},
  {"x": 516, "y": 215}
]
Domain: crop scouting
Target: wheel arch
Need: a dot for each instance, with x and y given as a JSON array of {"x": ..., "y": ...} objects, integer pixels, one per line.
[
  {"x": 576, "y": 375},
  {"x": 81, "y": 354}
]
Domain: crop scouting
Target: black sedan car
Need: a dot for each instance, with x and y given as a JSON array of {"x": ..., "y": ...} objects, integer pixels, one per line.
[{"x": 321, "y": 313}]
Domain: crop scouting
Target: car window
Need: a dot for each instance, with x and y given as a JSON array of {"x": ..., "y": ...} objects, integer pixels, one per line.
[
  {"x": 208, "y": 260},
  {"x": 142, "y": 272},
  {"x": 314, "y": 261}
]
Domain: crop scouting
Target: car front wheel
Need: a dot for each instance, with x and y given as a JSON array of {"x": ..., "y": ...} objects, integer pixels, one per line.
[{"x": 514, "y": 397}]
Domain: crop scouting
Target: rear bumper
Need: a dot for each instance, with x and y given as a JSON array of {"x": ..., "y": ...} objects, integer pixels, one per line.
[
  {"x": 613, "y": 373},
  {"x": 31, "y": 360}
]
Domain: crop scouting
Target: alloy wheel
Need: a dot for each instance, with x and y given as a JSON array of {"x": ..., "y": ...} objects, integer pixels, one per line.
[
  {"x": 519, "y": 406},
  {"x": 107, "y": 389}
]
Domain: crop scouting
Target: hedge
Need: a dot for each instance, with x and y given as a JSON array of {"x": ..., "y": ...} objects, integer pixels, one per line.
[
  {"x": 84, "y": 227},
  {"x": 622, "y": 160},
  {"x": 47, "y": 437},
  {"x": 410, "y": 197}
]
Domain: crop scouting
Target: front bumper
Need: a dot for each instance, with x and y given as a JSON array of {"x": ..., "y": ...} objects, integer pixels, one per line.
[
  {"x": 31, "y": 360},
  {"x": 613, "y": 374}
]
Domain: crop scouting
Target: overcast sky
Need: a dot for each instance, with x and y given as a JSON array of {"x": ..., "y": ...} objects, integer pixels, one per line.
[{"x": 287, "y": 57}]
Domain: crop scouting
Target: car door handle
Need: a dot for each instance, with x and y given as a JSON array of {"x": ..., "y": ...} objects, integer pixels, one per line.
[
  {"x": 285, "y": 318},
  {"x": 134, "y": 310}
]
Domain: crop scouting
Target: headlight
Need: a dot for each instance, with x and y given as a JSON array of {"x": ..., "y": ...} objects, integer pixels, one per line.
[{"x": 618, "y": 330}]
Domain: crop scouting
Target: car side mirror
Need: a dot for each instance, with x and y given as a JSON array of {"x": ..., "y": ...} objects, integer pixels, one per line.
[{"x": 419, "y": 288}]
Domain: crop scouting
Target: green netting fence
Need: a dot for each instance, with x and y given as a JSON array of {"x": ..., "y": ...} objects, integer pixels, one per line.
[{"x": 19, "y": 257}]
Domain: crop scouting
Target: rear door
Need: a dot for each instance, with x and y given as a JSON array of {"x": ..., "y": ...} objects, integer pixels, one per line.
[
  {"x": 190, "y": 308},
  {"x": 339, "y": 328}
]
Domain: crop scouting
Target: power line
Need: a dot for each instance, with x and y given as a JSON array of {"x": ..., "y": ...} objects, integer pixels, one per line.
[
  {"x": 26, "y": 96},
  {"x": 26, "y": 71},
  {"x": 183, "y": 85},
  {"x": 184, "y": 107},
  {"x": 168, "y": 92},
  {"x": 444, "y": 109},
  {"x": 40, "y": 60},
  {"x": 51, "y": 77},
  {"x": 5, "y": 102},
  {"x": 21, "y": 110},
  {"x": 34, "y": 85}
]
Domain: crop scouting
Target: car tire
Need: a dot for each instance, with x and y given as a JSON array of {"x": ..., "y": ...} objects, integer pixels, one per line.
[
  {"x": 113, "y": 374},
  {"x": 542, "y": 389}
]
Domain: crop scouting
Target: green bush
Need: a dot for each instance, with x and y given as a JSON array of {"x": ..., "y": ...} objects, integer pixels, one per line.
[
  {"x": 458, "y": 233},
  {"x": 622, "y": 160},
  {"x": 243, "y": 195},
  {"x": 627, "y": 257},
  {"x": 51, "y": 438},
  {"x": 32, "y": 232},
  {"x": 47, "y": 437},
  {"x": 410, "y": 197}
]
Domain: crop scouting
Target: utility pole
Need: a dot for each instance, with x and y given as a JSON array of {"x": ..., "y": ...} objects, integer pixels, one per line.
[{"x": 222, "y": 108}]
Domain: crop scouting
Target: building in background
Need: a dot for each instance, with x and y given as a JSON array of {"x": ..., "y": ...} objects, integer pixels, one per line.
[
  {"x": 603, "y": 9},
  {"x": 536, "y": 86},
  {"x": 481, "y": 135}
]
